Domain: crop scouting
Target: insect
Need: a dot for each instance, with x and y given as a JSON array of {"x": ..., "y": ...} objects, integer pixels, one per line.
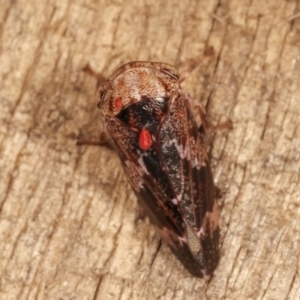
[{"x": 164, "y": 156}]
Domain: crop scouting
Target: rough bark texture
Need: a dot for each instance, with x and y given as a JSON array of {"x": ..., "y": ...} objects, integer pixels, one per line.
[{"x": 68, "y": 226}]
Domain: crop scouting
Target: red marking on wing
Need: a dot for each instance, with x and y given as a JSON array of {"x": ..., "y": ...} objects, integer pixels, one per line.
[{"x": 145, "y": 139}]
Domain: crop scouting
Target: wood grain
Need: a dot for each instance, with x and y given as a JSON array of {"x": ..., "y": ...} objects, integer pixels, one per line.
[{"x": 68, "y": 217}]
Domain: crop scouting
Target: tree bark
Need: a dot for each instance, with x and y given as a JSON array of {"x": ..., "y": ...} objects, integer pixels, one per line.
[{"x": 68, "y": 217}]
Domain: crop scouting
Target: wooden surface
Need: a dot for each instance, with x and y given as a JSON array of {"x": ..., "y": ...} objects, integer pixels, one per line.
[{"x": 68, "y": 217}]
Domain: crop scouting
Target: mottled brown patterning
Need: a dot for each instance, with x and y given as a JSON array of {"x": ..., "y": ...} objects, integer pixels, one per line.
[{"x": 164, "y": 156}]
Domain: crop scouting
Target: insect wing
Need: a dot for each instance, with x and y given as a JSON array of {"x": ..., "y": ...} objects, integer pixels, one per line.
[
  {"x": 184, "y": 153},
  {"x": 173, "y": 181}
]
